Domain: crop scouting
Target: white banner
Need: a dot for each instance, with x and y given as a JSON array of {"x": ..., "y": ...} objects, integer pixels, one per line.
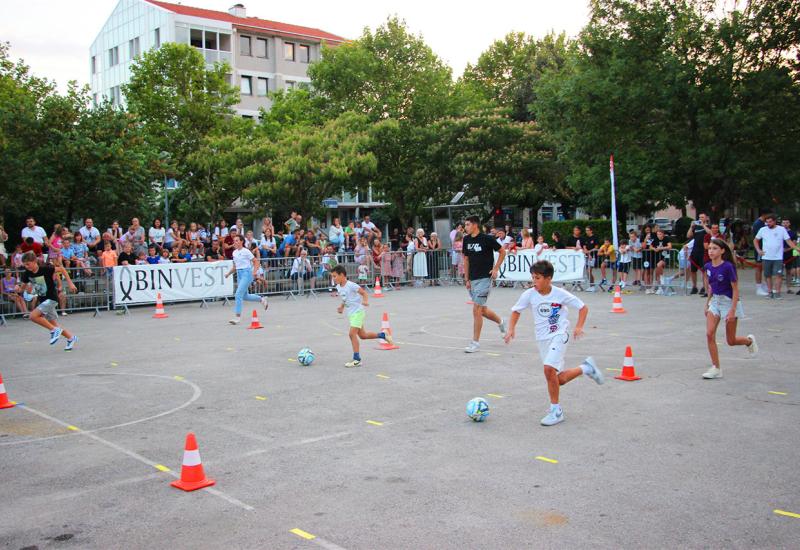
[
  {"x": 569, "y": 265},
  {"x": 139, "y": 284}
]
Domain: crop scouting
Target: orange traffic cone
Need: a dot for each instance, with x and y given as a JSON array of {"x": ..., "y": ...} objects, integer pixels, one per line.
[
  {"x": 255, "y": 322},
  {"x": 378, "y": 292},
  {"x": 616, "y": 307},
  {"x": 159, "y": 308},
  {"x": 628, "y": 370},
  {"x": 388, "y": 330},
  {"x": 192, "y": 475},
  {"x": 4, "y": 402}
]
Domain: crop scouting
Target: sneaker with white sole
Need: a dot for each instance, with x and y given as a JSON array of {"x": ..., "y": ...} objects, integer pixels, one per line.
[
  {"x": 71, "y": 342},
  {"x": 265, "y": 303},
  {"x": 712, "y": 373},
  {"x": 235, "y": 320},
  {"x": 388, "y": 337},
  {"x": 502, "y": 326},
  {"x": 752, "y": 347},
  {"x": 595, "y": 374},
  {"x": 353, "y": 363},
  {"x": 55, "y": 334},
  {"x": 761, "y": 291},
  {"x": 472, "y": 347},
  {"x": 553, "y": 418}
]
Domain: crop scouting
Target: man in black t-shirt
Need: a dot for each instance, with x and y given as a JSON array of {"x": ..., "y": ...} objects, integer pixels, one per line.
[
  {"x": 661, "y": 247},
  {"x": 697, "y": 232},
  {"x": 42, "y": 280},
  {"x": 574, "y": 240},
  {"x": 480, "y": 269},
  {"x": 590, "y": 246}
]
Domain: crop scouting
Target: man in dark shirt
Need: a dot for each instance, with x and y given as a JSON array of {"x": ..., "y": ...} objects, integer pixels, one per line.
[
  {"x": 42, "y": 280},
  {"x": 590, "y": 246},
  {"x": 227, "y": 243},
  {"x": 214, "y": 254},
  {"x": 574, "y": 240},
  {"x": 480, "y": 269},
  {"x": 697, "y": 232},
  {"x": 661, "y": 246}
]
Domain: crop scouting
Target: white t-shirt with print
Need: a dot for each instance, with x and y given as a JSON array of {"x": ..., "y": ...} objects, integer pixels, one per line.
[
  {"x": 550, "y": 312},
  {"x": 243, "y": 258},
  {"x": 772, "y": 241},
  {"x": 349, "y": 294}
]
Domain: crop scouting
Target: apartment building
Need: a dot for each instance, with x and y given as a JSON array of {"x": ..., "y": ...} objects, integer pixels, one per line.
[{"x": 264, "y": 55}]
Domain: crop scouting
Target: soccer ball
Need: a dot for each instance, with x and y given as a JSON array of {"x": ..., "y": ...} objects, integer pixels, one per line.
[
  {"x": 305, "y": 357},
  {"x": 478, "y": 409}
]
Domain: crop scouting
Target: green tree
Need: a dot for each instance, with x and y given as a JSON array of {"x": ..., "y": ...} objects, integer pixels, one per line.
[
  {"x": 297, "y": 107},
  {"x": 390, "y": 73},
  {"x": 179, "y": 99}
]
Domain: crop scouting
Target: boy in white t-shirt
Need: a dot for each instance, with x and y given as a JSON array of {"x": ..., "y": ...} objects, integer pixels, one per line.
[
  {"x": 549, "y": 305},
  {"x": 354, "y": 298}
]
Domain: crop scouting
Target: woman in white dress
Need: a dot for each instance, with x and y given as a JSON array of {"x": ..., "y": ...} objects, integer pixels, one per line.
[{"x": 420, "y": 246}]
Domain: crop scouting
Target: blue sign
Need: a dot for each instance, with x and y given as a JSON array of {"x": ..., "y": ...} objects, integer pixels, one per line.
[
  {"x": 172, "y": 183},
  {"x": 330, "y": 203}
]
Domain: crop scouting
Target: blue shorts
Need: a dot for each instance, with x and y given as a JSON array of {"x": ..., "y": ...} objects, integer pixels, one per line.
[{"x": 479, "y": 290}]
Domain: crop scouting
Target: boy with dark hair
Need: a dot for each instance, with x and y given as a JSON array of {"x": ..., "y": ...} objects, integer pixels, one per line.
[
  {"x": 549, "y": 306},
  {"x": 42, "y": 278},
  {"x": 354, "y": 298}
]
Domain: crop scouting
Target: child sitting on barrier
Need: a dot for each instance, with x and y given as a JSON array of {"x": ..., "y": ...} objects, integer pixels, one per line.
[
  {"x": 164, "y": 258},
  {"x": 108, "y": 258},
  {"x": 12, "y": 292},
  {"x": 141, "y": 258},
  {"x": 152, "y": 256}
]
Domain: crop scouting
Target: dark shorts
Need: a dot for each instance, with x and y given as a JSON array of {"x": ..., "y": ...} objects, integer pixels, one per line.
[
  {"x": 696, "y": 263},
  {"x": 637, "y": 263},
  {"x": 773, "y": 268},
  {"x": 624, "y": 267}
]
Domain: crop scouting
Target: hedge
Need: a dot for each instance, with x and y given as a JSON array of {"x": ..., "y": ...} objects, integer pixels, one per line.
[{"x": 602, "y": 228}]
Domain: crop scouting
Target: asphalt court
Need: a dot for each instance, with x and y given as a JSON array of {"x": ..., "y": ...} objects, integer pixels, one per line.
[{"x": 384, "y": 456}]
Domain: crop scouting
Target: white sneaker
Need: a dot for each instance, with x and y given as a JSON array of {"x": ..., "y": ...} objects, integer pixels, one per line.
[
  {"x": 761, "y": 291},
  {"x": 353, "y": 363},
  {"x": 71, "y": 342},
  {"x": 649, "y": 291},
  {"x": 553, "y": 417},
  {"x": 712, "y": 373},
  {"x": 753, "y": 346},
  {"x": 659, "y": 291},
  {"x": 472, "y": 347},
  {"x": 591, "y": 289},
  {"x": 235, "y": 320},
  {"x": 264, "y": 302},
  {"x": 595, "y": 373},
  {"x": 502, "y": 327},
  {"x": 55, "y": 334}
]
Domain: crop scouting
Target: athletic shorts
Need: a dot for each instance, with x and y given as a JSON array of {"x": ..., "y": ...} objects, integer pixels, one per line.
[
  {"x": 696, "y": 263},
  {"x": 479, "y": 290},
  {"x": 553, "y": 350},
  {"x": 624, "y": 267},
  {"x": 48, "y": 309},
  {"x": 637, "y": 263},
  {"x": 720, "y": 305},
  {"x": 357, "y": 319},
  {"x": 773, "y": 267}
]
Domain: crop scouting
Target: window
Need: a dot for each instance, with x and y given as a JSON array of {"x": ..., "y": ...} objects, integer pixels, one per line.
[
  {"x": 248, "y": 117},
  {"x": 261, "y": 47},
  {"x": 247, "y": 85},
  {"x": 133, "y": 48},
  {"x": 96, "y": 100},
  {"x": 113, "y": 56},
  {"x": 288, "y": 51},
  {"x": 291, "y": 84},
  {"x": 196, "y": 38},
  {"x": 94, "y": 64},
  {"x": 157, "y": 38},
  {"x": 244, "y": 45},
  {"x": 114, "y": 96},
  {"x": 263, "y": 87},
  {"x": 211, "y": 40},
  {"x": 229, "y": 79},
  {"x": 305, "y": 53},
  {"x": 224, "y": 42},
  {"x": 181, "y": 34}
]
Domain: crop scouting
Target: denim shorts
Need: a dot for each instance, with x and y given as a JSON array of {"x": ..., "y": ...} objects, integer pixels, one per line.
[
  {"x": 720, "y": 305},
  {"x": 479, "y": 290}
]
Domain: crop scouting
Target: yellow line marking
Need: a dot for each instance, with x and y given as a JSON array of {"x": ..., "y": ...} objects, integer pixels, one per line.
[
  {"x": 338, "y": 334},
  {"x": 495, "y": 395},
  {"x": 303, "y": 534},
  {"x": 291, "y": 359},
  {"x": 615, "y": 370},
  {"x": 545, "y": 459},
  {"x": 785, "y": 513},
  {"x": 381, "y": 376},
  {"x": 278, "y": 326},
  {"x": 177, "y": 339},
  {"x": 178, "y": 378},
  {"x": 261, "y": 398},
  {"x": 161, "y": 467},
  {"x": 493, "y": 354},
  {"x": 778, "y": 393},
  {"x": 228, "y": 349},
  {"x": 113, "y": 364},
  {"x": 73, "y": 428},
  {"x": 374, "y": 422}
]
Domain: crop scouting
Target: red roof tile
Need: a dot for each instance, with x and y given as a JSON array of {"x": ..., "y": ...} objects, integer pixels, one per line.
[{"x": 250, "y": 22}]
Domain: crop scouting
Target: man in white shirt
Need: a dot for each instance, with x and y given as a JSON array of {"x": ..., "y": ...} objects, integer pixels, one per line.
[
  {"x": 367, "y": 225},
  {"x": 91, "y": 236},
  {"x": 32, "y": 230},
  {"x": 503, "y": 239},
  {"x": 769, "y": 243}
]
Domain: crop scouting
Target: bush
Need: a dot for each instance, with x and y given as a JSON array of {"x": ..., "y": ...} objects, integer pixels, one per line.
[
  {"x": 602, "y": 228},
  {"x": 681, "y": 227}
]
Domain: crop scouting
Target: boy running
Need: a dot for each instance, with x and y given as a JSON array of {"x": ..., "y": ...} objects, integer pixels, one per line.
[
  {"x": 549, "y": 305},
  {"x": 354, "y": 298},
  {"x": 723, "y": 302},
  {"x": 43, "y": 280}
]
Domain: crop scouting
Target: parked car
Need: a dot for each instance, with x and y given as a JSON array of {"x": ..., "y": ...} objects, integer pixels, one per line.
[{"x": 664, "y": 223}]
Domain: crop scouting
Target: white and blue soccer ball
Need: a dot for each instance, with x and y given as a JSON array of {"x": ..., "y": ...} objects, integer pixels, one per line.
[
  {"x": 305, "y": 357},
  {"x": 478, "y": 409}
]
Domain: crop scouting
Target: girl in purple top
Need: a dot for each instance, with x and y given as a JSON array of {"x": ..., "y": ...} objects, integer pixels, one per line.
[{"x": 723, "y": 302}]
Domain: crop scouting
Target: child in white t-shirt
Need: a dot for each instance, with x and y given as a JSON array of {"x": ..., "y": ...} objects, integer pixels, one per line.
[{"x": 549, "y": 305}]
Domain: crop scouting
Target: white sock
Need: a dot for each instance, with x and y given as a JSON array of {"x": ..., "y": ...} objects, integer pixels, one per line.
[
  {"x": 555, "y": 407},
  {"x": 586, "y": 368}
]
